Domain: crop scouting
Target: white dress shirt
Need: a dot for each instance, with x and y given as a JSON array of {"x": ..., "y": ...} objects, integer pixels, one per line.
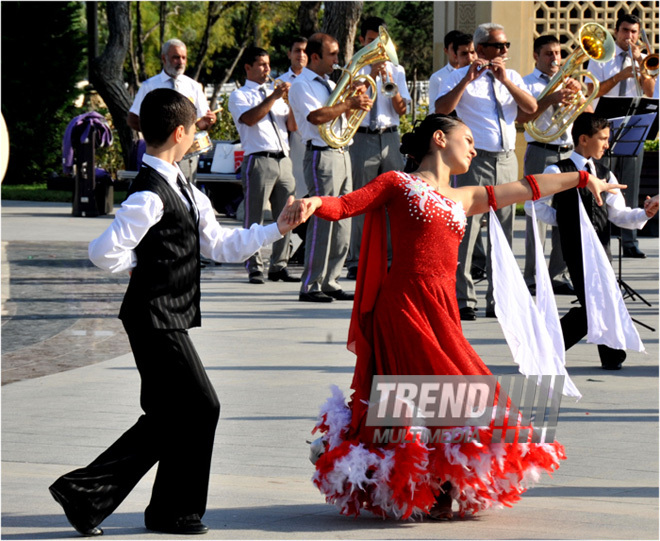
[
  {"x": 114, "y": 250},
  {"x": 435, "y": 82},
  {"x": 190, "y": 88},
  {"x": 603, "y": 71},
  {"x": 617, "y": 211},
  {"x": 385, "y": 115},
  {"x": 287, "y": 77},
  {"x": 478, "y": 110},
  {"x": 308, "y": 94},
  {"x": 261, "y": 137},
  {"x": 535, "y": 85}
]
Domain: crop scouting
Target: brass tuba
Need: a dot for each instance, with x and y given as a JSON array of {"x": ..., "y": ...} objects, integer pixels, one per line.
[
  {"x": 379, "y": 50},
  {"x": 596, "y": 44}
]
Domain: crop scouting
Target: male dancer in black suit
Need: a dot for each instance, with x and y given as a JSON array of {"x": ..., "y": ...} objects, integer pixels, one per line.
[
  {"x": 591, "y": 135},
  {"x": 158, "y": 234}
]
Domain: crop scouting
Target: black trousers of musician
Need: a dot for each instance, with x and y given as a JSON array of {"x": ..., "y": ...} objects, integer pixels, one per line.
[
  {"x": 574, "y": 325},
  {"x": 181, "y": 411}
]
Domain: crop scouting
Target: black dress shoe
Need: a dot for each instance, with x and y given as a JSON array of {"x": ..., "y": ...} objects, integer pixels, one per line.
[
  {"x": 282, "y": 274},
  {"x": 467, "y": 314},
  {"x": 633, "y": 251},
  {"x": 563, "y": 289},
  {"x": 190, "y": 525},
  {"x": 611, "y": 359},
  {"x": 340, "y": 295},
  {"x": 352, "y": 273},
  {"x": 490, "y": 313},
  {"x": 314, "y": 296},
  {"x": 256, "y": 277},
  {"x": 79, "y": 523}
]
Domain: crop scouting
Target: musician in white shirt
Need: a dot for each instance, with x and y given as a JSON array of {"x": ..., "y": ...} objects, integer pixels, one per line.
[{"x": 263, "y": 120}]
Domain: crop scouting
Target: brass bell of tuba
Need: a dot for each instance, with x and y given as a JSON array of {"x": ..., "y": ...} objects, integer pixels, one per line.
[
  {"x": 595, "y": 43},
  {"x": 379, "y": 50}
]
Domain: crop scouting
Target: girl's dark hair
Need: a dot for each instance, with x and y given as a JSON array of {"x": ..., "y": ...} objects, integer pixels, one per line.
[{"x": 416, "y": 144}]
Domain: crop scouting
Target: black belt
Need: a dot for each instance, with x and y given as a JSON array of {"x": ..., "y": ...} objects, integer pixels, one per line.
[
  {"x": 380, "y": 131},
  {"x": 276, "y": 155},
  {"x": 554, "y": 148},
  {"x": 310, "y": 146}
]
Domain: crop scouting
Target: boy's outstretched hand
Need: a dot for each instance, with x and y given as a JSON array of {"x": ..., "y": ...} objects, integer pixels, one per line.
[
  {"x": 651, "y": 205},
  {"x": 294, "y": 213}
]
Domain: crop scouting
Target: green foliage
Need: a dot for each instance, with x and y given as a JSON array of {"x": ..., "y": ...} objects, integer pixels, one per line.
[
  {"x": 410, "y": 25},
  {"x": 40, "y": 192},
  {"x": 651, "y": 146},
  {"x": 40, "y": 68},
  {"x": 224, "y": 129}
]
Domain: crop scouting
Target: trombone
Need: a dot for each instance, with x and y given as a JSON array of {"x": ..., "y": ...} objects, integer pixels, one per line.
[{"x": 648, "y": 66}]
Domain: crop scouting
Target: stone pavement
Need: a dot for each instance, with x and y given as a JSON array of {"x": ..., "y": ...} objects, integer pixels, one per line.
[{"x": 70, "y": 389}]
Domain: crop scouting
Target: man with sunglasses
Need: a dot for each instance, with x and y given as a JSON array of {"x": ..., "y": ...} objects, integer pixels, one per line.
[{"x": 488, "y": 98}]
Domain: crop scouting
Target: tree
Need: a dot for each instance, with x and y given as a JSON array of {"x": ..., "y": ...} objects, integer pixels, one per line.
[
  {"x": 340, "y": 20},
  {"x": 308, "y": 18},
  {"x": 40, "y": 69},
  {"x": 107, "y": 73}
]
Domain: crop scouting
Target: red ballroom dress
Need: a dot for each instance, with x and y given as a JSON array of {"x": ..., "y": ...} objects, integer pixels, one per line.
[{"x": 406, "y": 322}]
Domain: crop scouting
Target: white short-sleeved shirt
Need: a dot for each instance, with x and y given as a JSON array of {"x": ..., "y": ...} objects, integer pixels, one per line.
[
  {"x": 434, "y": 84},
  {"x": 478, "y": 110},
  {"x": 261, "y": 137},
  {"x": 536, "y": 85},
  {"x": 287, "y": 77},
  {"x": 307, "y": 94},
  {"x": 386, "y": 116},
  {"x": 190, "y": 88},
  {"x": 603, "y": 71}
]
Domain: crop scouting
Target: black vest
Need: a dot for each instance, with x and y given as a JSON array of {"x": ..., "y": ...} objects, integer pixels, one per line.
[
  {"x": 565, "y": 203},
  {"x": 164, "y": 292}
]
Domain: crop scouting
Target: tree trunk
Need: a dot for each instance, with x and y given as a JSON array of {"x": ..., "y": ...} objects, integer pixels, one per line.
[
  {"x": 340, "y": 20},
  {"x": 107, "y": 74},
  {"x": 161, "y": 22},
  {"x": 308, "y": 17},
  {"x": 141, "y": 64},
  {"x": 215, "y": 9}
]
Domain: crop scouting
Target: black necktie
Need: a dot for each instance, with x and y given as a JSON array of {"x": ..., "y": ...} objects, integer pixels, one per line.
[{"x": 185, "y": 190}]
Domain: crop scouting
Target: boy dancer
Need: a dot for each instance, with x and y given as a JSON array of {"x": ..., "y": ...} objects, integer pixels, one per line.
[
  {"x": 591, "y": 136},
  {"x": 159, "y": 234}
]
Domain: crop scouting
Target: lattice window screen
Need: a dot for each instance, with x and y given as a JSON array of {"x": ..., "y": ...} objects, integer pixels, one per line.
[{"x": 564, "y": 19}]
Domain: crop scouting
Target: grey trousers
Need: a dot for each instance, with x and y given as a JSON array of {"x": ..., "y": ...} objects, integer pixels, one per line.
[
  {"x": 327, "y": 172},
  {"x": 267, "y": 179},
  {"x": 372, "y": 154},
  {"x": 297, "y": 155},
  {"x": 488, "y": 168},
  {"x": 627, "y": 170},
  {"x": 536, "y": 160}
]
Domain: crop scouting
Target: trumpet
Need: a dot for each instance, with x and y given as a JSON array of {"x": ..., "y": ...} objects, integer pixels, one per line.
[
  {"x": 594, "y": 43},
  {"x": 276, "y": 83},
  {"x": 389, "y": 88},
  {"x": 379, "y": 50}
]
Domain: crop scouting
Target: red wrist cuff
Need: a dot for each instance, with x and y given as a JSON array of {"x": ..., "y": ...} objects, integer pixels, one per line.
[
  {"x": 534, "y": 185},
  {"x": 492, "y": 202},
  {"x": 584, "y": 178}
]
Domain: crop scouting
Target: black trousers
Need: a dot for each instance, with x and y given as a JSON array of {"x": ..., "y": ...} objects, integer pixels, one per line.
[
  {"x": 181, "y": 411},
  {"x": 574, "y": 325}
]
